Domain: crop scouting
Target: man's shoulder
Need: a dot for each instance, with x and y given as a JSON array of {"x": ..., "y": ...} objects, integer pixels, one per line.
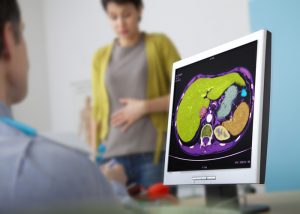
[
  {"x": 52, "y": 155},
  {"x": 47, "y": 163},
  {"x": 39, "y": 171},
  {"x": 57, "y": 156}
]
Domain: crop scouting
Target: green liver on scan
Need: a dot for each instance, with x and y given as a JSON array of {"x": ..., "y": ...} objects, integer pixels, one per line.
[{"x": 198, "y": 95}]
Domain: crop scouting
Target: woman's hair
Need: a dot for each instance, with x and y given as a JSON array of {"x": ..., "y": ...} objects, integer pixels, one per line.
[{"x": 137, "y": 3}]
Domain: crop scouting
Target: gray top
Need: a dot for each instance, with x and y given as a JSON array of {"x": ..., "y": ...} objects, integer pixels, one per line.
[
  {"x": 126, "y": 77},
  {"x": 34, "y": 171}
]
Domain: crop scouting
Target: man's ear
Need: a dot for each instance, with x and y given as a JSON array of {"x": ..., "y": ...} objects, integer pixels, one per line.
[{"x": 9, "y": 41}]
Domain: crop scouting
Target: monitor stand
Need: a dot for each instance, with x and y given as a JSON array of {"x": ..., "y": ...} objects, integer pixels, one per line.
[{"x": 226, "y": 197}]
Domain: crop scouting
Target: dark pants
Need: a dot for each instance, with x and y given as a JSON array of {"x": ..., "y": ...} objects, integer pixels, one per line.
[{"x": 140, "y": 169}]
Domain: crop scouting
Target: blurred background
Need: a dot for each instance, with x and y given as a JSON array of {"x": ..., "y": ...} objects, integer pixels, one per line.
[{"x": 62, "y": 36}]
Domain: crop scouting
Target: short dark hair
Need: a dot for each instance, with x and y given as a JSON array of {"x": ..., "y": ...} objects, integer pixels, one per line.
[
  {"x": 137, "y": 3},
  {"x": 9, "y": 12}
]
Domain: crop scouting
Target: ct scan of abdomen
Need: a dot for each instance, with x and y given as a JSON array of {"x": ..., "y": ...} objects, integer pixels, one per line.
[{"x": 214, "y": 112}]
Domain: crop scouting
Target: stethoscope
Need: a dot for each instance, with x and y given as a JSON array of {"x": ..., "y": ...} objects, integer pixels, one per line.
[
  {"x": 31, "y": 132},
  {"x": 19, "y": 126}
]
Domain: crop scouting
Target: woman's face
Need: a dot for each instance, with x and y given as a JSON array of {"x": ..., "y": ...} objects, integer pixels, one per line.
[{"x": 124, "y": 19}]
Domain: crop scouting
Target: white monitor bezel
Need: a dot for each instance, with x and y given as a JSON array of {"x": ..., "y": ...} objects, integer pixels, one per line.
[{"x": 225, "y": 176}]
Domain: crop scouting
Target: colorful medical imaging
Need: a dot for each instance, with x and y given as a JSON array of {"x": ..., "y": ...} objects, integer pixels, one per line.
[{"x": 214, "y": 112}]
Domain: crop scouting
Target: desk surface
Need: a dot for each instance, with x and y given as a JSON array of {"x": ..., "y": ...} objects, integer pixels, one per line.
[{"x": 280, "y": 202}]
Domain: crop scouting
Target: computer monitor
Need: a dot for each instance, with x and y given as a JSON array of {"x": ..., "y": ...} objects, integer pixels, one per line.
[{"x": 219, "y": 113}]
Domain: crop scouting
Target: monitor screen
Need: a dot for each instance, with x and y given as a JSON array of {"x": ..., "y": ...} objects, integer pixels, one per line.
[
  {"x": 213, "y": 107},
  {"x": 211, "y": 120}
]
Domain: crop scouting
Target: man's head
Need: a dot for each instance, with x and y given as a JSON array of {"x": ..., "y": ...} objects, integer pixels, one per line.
[{"x": 13, "y": 54}]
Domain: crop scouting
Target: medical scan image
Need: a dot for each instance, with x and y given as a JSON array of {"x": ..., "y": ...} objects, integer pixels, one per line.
[{"x": 213, "y": 110}]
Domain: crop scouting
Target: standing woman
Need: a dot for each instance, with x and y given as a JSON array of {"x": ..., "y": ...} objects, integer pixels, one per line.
[{"x": 131, "y": 81}]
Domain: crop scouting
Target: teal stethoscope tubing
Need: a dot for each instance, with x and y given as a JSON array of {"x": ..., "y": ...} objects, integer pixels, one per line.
[{"x": 19, "y": 126}]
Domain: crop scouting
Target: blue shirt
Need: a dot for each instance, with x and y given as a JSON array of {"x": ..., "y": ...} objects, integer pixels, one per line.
[{"x": 35, "y": 171}]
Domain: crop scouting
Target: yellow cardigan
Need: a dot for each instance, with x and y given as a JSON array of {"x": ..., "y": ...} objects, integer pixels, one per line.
[{"x": 161, "y": 54}]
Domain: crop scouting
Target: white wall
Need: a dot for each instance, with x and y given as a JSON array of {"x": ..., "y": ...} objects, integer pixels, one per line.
[
  {"x": 35, "y": 110},
  {"x": 74, "y": 29},
  {"x": 197, "y": 25}
]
